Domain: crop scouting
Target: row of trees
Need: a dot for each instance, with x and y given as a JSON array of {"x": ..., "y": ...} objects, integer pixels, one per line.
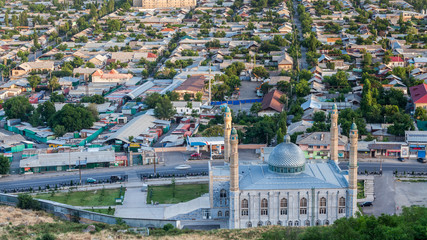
[{"x": 72, "y": 117}]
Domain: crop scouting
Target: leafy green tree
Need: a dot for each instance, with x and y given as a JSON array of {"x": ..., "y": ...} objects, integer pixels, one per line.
[
  {"x": 74, "y": 117},
  {"x": 260, "y": 72},
  {"x": 256, "y": 108},
  {"x": 55, "y": 97},
  {"x": 420, "y": 114},
  {"x": 302, "y": 88},
  {"x": 4, "y": 165},
  {"x": 214, "y": 131},
  {"x": 152, "y": 99},
  {"x": 18, "y": 107},
  {"x": 164, "y": 108},
  {"x": 187, "y": 97},
  {"x": 53, "y": 83},
  {"x": 319, "y": 117},
  {"x": 34, "y": 81},
  {"x": 367, "y": 59},
  {"x": 280, "y": 137},
  {"x": 199, "y": 96},
  {"x": 59, "y": 130},
  {"x": 46, "y": 110},
  {"x": 173, "y": 96}
]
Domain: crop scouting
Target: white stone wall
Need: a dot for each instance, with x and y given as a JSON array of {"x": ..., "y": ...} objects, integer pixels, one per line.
[{"x": 293, "y": 211}]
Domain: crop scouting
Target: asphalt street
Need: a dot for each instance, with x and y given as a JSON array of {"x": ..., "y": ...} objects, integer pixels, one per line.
[{"x": 52, "y": 179}]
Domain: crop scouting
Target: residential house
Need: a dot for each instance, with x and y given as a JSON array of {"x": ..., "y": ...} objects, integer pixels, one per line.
[
  {"x": 271, "y": 103},
  {"x": 111, "y": 76}
]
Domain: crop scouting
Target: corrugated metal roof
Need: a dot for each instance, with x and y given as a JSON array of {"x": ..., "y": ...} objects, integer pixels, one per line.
[{"x": 135, "y": 127}]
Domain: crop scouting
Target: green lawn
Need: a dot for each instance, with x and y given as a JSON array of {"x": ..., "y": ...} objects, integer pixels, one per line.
[
  {"x": 103, "y": 211},
  {"x": 183, "y": 193},
  {"x": 360, "y": 189},
  {"x": 102, "y": 197}
]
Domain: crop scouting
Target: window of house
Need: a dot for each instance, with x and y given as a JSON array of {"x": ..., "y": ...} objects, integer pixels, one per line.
[
  {"x": 259, "y": 224},
  {"x": 219, "y": 214},
  {"x": 279, "y": 223},
  {"x": 245, "y": 207},
  {"x": 307, "y": 222},
  {"x": 303, "y": 206},
  {"x": 249, "y": 224},
  {"x": 341, "y": 205},
  {"x": 284, "y": 206},
  {"x": 296, "y": 223},
  {"x": 264, "y": 207},
  {"x": 322, "y": 205},
  {"x": 227, "y": 213},
  {"x": 290, "y": 223}
]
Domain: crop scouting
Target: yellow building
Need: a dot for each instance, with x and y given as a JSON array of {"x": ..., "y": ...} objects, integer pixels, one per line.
[{"x": 150, "y": 4}]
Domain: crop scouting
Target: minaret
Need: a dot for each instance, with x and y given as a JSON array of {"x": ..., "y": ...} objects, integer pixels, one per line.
[
  {"x": 234, "y": 181},
  {"x": 352, "y": 172},
  {"x": 334, "y": 134},
  {"x": 227, "y": 130}
]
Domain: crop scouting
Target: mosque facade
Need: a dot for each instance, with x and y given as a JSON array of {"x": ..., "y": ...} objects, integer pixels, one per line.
[{"x": 287, "y": 189}]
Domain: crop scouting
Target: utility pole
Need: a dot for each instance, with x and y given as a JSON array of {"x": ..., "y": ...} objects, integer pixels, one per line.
[
  {"x": 80, "y": 172},
  {"x": 210, "y": 83}
]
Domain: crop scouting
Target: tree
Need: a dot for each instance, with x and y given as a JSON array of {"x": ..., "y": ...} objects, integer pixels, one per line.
[
  {"x": 214, "y": 131},
  {"x": 46, "y": 110},
  {"x": 302, "y": 88},
  {"x": 260, "y": 72},
  {"x": 55, "y": 97},
  {"x": 53, "y": 83},
  {"x": 420, "y": 114},
  {"x": 113, "y": 25},
  {"x": 34, "y": 81},
  {"x": 164, "y": 108},
  {"x": 174, "y": 96},
  {"x": 26, "y": 201},
  {"x": 6, "y": 19},
  {"x": 18, "y": 107},
  {"x": 256, "y": 108},
  {"x": 187, "y": 97},
  {"x": 367, "y": 59},
  {"x": 152, "y": 99},
  {"x": 4, "y": 165},
  {"x": 59, "y": 130},
  {"x": 199, "y": 96},
  {"x": 280, "y": 137},
  {"x": 74, "y": 117},
  {"x": 319, "y": 117}
]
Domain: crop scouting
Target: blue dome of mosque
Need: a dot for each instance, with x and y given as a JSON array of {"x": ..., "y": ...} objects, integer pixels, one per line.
[{"x": 287, "y": 157}]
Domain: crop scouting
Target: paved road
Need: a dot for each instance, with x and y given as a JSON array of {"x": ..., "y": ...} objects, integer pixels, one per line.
[
  {"x": 34, "y": 181},
  {"x": 303, "y": 62}
]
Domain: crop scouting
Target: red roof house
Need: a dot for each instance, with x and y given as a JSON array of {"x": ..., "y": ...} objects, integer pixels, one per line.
[{"x": 419, "y": 95}]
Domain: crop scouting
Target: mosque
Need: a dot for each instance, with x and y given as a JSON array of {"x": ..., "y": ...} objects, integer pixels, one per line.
[{"x": 286, "y": 190}]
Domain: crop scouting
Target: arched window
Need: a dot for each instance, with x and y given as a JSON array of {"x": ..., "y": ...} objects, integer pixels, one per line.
[
  {"x": 227, "y": 213},
  {"x": 284, "y": 206},
  {"x": 245, "y": 207},
  {"x": 290, "y": 223},
  {"x": 303, "y": 206},
  {"x": 259, "y": 224},
  {"x": 279, "y": 223},
  {"x": 297, "y": 223},
  {"x": 268, "y": 223},
  {"x": 219, "y": 214},
  {"x": 317, "y": 222},
  {"x": 307, "y": 222},
  {"x": 327, "y": 222},
  {"x": 322, "y": 205},
  {"x": 264, "y": 207},
  {"x": 223, "y": 197},
  {"x": 341, "y": 205},
  {"x": 249, "y": 224}
]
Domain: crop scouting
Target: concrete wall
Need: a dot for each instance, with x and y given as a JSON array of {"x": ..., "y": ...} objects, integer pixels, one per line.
[
  {"x": 186, "y": 207},
  {"x": 68, "y": 212}
]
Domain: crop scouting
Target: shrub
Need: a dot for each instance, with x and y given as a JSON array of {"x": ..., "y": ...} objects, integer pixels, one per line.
[
  {"x": 168, "y": 227},
  {"x": 26, "y": 201}
]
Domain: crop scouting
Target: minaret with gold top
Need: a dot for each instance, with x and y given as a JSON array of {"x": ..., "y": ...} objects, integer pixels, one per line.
[
  {"x": 227, "y": 131},
  {"x": 334, "y": 134},
  {"x": 234, "y": 181},
  {"x": 352, "y": 172}
]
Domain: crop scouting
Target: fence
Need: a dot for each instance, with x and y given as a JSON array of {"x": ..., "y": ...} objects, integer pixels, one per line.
[
  {"x": 237, "y": 102},
  {"x": 69, "y": 213}
]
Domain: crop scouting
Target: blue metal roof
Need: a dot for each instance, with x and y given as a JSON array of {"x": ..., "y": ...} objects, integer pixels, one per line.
[{"x": 316, "y": 175}]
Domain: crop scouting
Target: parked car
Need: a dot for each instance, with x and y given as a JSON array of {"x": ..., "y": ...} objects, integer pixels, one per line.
[
  {"x": 183, "y": 167},
  {"x": 144, "y": 187},
  {"x": 422, "y": 160},
  {"x": 116, "y": 178},
  {"x": 366, "y": 204},
  {"x": 91, "y": 180},
  {"x": 401, "y": 159}
]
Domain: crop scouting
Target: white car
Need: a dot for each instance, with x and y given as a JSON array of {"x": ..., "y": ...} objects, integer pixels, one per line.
[{"x": 183, "y": 167}]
